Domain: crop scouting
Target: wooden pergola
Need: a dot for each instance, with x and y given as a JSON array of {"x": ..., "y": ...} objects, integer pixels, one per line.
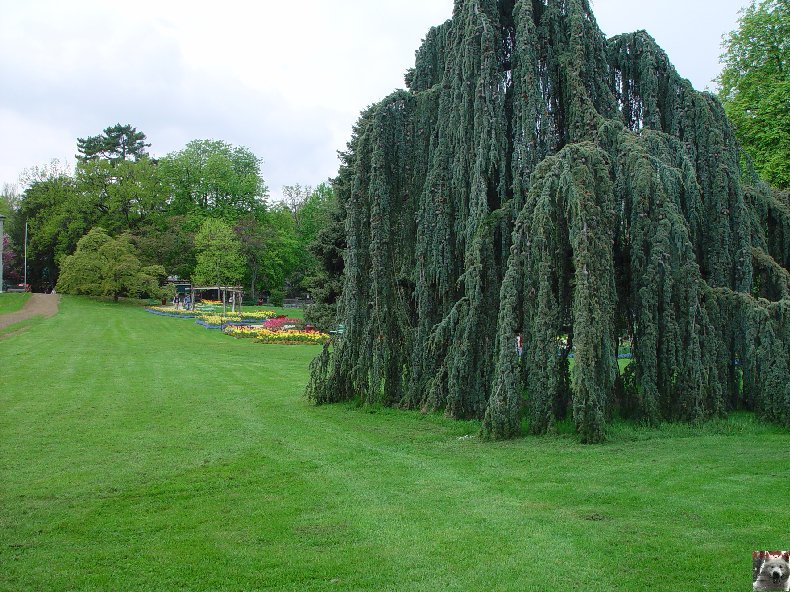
[{"x": 232, "y": 295}]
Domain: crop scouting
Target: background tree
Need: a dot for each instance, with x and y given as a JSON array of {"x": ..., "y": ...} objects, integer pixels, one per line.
[
  {"x": 315, "y": 212},
  {"x": 219, "y": 260},
  {"x": 310, "y": 211},
  {"x": 123, "y": 195},
  {"x": 755, "y": 87},
  {"x": 161, "y": 205},
  {"x": 57, "y": 219},
  {"x": 11, "y": 261},
  {"x": 294, "y": 198},
  {"x": 213, "y": 178},
  {"x": 9, "y": 205},
  {"x": 324, "y": 231},
  {"x": 115, "y": 144},
  {"x": 255, "y": 239},
  {"x": 281, "y": 268},
  {"x": 9, "y": 199},
  {"x": 168, "y": 241},
  {"x": 106, "y": 266},
  {"x": 61, "y": 206}
]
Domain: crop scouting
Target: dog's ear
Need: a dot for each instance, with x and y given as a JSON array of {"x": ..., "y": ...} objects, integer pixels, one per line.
[{"x": 786, "y": 556}]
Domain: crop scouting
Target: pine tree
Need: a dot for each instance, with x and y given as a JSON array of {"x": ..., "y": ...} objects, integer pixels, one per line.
[{"x": 117, "y": 143}]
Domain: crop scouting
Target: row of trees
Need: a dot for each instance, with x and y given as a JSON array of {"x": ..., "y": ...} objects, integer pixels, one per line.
[{"x": 199, "y": 212}]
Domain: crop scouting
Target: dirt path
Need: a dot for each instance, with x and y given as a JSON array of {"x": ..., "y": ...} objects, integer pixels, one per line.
[{"x": 37, "y": 305}]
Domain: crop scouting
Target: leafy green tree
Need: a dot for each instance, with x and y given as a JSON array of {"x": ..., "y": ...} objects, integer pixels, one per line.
[
  {"x": 9, "y": 199},
  {"x": 213, "y": 178},
  {"x": 324, "y": 230},
  {"x": 116, "y": 143},
  {"x": 310, "y": 211},
  {"x": 168, "y": 242},
  {"x": 280, "y": 262},
  {"x": 294, "y": 198},
  {"x": 57, "y": 219},
  {"x": 61, "y": 208},
  {"x": 122, "y": 195},
  {"x": 755, "y": 87},
  {"x": 219, "y": 259},
  {"x": 256, "y": 239},
  {"x": 12, "y": 262},
  {"x": 106, "y": 266},
  {"x": 315, "y": 212},
  {"x": 116, "y": 177}
]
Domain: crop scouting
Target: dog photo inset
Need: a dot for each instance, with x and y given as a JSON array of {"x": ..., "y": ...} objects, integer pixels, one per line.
[{"x": 771, "y": 570}]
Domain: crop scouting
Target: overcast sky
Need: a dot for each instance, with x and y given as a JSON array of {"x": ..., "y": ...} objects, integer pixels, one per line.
[{"x": 286, "y": 79}]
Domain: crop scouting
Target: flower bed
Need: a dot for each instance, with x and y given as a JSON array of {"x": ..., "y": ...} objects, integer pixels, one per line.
[
  {"x": 167, "y": 311},
  {"x": 252, "y": 316},
  {"x": 210, "y": 321},
  {"x": 241, "y": 331},
  {"x": 244, "y": 316},
  {"x": 216, "y": 318},
  {"x": 291, "y": 337},
  {"x": 279, "y": 336},
  {"x": 282, "y": 323}
]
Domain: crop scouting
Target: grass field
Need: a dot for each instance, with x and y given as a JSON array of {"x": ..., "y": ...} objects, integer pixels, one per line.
[
  {"x": 12, "y": 301},
  {"x": 140, "y": 453}
]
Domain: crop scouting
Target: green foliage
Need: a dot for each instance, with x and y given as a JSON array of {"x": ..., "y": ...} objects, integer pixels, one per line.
[
  {"x": 161, "y": 204},
  {"x": 539, "y": 182},
  {"x": 57, "y": 219},
  {"x": 213, "y": 178},
  {"x": 315, "y": 212},
  {"x": 755, "y": 87},
  {"x": 255, "y": 239},
  {"x": 117, "y": 143},
  {"x": 219, "y": 260},
  {"x": 323, "y": 224},
  {"x": 281, "y": 258},
  {"x": 122, "y": 195},
  {"x": 106, "y": 266},
  {"x": 169, "y": 242},
  {"x": 9, "y": 199}
]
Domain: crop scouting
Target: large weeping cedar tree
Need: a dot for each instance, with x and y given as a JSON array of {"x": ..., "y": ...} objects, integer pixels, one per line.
[{"x": 538, "y": 183}]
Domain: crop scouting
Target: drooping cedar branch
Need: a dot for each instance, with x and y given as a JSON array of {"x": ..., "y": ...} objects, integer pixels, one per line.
[{"x": 540, "y": 185}]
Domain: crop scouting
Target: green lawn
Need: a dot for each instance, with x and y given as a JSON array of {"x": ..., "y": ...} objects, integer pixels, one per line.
[
  {"x": 12, "y": 301},
  {"x": 141, "y": 453}
]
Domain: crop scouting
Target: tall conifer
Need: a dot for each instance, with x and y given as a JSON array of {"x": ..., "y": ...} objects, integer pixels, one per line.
[{"x": 539, "y": 187}]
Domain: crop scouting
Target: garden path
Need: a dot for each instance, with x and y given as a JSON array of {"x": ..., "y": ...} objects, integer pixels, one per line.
[{"x": 37, "y": 305}]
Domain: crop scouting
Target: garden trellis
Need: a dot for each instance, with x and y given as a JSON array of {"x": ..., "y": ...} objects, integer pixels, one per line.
[
  {"x": 225, "y": 294},
  {"x": 537, "y": 179}
]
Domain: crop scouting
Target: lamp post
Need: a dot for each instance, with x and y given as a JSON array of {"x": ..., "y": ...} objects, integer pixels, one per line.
[
  {"x": 25, "y": 255},
  {"x": 2, "y": 218}
]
